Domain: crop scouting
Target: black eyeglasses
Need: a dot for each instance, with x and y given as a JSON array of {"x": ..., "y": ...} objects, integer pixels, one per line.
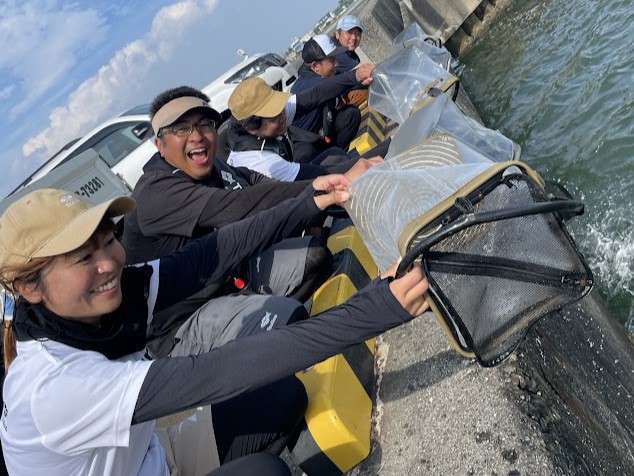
[{"x": 184, "y": 129}]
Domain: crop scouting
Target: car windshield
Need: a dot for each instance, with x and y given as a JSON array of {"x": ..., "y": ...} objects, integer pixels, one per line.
[
  {"x": 115, "y": 142},
  {"x": 137, "y": 110}
]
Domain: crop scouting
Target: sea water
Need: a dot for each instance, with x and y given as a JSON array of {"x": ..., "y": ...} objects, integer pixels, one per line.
[{"x": 557, "y": 77}]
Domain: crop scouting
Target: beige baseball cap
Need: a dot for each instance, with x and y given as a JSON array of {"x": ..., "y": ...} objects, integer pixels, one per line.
[
  {"x": 50, "y": 222},
  {"x": 176, "y": 108},
  {"x": 253, "y": 97}
]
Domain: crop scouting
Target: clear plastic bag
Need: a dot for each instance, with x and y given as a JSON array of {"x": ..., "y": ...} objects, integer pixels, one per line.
[
  {"x": 440, "y": 115},
  {"x": 414, "y": 35},
  {"x": 405, "y": 79},
  {"x": 390, "y": 195}
]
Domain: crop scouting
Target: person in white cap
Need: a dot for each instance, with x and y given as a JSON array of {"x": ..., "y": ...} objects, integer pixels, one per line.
[
  {"x": 336, "y": 122},
  {"x": 80, "y": 397}
]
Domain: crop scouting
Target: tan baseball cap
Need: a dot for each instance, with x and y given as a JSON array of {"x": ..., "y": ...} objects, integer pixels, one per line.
[
  {"x": 50, "y": 222},
  {"x": 253, "y": 97},
  {"x": 176, "y": 108}
]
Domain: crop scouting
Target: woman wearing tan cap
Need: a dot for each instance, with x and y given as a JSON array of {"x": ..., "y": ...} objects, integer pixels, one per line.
[{"x": 80, "y": 397}]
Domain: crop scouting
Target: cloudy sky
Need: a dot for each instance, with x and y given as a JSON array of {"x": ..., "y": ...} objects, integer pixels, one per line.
[{"x": 66, "y": 66}]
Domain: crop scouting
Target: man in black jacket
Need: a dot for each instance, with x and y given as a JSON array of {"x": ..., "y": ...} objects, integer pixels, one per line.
[{"x": 184, "y": 194}]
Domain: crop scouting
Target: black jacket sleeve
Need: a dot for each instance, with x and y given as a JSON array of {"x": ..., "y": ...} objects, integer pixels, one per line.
[
  {"x": 324, "y": 91},
  {"x": 254, "y": 177},
  {"x": 311, "y": 171},
  {"x": 227, "y": 206},
  {"x": 175, "y": 384},
  {"x": 211, "y": 257}
]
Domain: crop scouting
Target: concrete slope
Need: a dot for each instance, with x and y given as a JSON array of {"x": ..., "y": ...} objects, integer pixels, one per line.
[{"x": 561, "y": 404}]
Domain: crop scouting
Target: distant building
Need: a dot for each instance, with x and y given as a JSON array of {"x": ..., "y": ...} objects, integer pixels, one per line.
[{"x": 296, "y": 45}]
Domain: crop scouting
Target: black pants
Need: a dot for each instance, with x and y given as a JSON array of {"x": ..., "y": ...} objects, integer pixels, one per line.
[
  {"x": 259, "y": 464},
  {"x": 265, "y": 420},
  {"x": 346, "y": 126}
]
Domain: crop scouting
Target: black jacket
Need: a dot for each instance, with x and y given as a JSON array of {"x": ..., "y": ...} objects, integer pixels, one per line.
[
  {"x": 319, "y": 120},
  {"x": 173, "y": 209}
]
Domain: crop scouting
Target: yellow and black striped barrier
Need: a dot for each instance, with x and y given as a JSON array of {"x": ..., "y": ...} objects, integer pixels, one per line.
[
  {"x": 337, "y": 423},
  {"x": 373, "y": 130}
]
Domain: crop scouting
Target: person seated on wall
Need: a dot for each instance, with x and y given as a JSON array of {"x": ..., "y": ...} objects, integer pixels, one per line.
[
  {"x": 348, "y": 33},
  {"x": 184, "y": 194},
  {"x": 260, "y": 138},
  {"x": 336, "y": 123},
  {"x": 80, "y": 395}
]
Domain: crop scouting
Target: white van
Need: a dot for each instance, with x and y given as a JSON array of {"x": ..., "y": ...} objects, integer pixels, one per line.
[{"x": 126, "y": 142}]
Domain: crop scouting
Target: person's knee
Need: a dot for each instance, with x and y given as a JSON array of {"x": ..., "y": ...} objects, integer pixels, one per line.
[
  {"x": 288, "y": 411},
  {"x": 347, "y": 125},
  {"x": 318, "y": 258},
  {"x": 316, "y": 269},
  {"x": 298, "y": 314},
  {"x": 295, "y": 388},
  {"x": 271, "y": 465},
  {"x": 349, "y": 117}
]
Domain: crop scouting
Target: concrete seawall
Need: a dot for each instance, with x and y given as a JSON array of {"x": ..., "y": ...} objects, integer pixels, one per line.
[
  {"x": 458, "y": 23},
  {"x": 562, "y": 404}
]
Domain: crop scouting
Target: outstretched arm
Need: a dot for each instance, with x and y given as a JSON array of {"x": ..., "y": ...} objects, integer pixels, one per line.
[
  {"x": 213, "y": 256},
  {"x": 174, "y": 384},
  {"x": 331, "y": 88}
]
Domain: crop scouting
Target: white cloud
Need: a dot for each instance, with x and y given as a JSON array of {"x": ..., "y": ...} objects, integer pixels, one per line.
[
  {"x": 6, "y": 92},
  {"x": 42, "y": 40},
  {"x": 117, "y": 84}
]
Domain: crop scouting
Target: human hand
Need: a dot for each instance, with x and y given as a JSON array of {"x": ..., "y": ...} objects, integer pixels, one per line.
[
  {"x": 363, "y": 73},
  {"x": 409, "y": 290},
  {"x": 360, "y": 167},
  {"x": 334, "y": 187}
]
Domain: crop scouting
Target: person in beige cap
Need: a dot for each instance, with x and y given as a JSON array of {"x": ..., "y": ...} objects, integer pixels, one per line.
[
  {"x": 260, "y": 137},
  {"x": 80, "y": 395},
  {"x": 185, "y": 193}
]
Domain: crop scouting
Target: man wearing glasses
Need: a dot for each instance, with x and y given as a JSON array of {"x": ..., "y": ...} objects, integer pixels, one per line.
[{"x": 183, "y": 194}]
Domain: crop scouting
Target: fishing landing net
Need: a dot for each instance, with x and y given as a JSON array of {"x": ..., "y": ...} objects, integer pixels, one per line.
[{"x": 492, "y": 244}]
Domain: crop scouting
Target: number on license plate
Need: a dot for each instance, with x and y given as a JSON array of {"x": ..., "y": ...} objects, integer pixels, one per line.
[{"x": 90, "y": 188}]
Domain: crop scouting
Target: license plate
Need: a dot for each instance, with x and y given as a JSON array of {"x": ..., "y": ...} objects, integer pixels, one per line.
[{"x": 90, "y": 187}]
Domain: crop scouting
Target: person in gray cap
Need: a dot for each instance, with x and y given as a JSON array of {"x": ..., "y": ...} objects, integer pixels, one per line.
[{"x": 348, "y": 34}]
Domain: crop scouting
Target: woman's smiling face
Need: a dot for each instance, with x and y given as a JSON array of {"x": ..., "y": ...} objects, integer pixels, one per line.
[{"x": 84, "y": 284}]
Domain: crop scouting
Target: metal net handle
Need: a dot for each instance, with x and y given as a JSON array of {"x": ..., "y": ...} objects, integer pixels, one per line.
[{"x": 472, "y": 219}]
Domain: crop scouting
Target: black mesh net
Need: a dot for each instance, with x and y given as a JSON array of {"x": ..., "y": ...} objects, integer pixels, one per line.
[{"x": 493, "y": 280}]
